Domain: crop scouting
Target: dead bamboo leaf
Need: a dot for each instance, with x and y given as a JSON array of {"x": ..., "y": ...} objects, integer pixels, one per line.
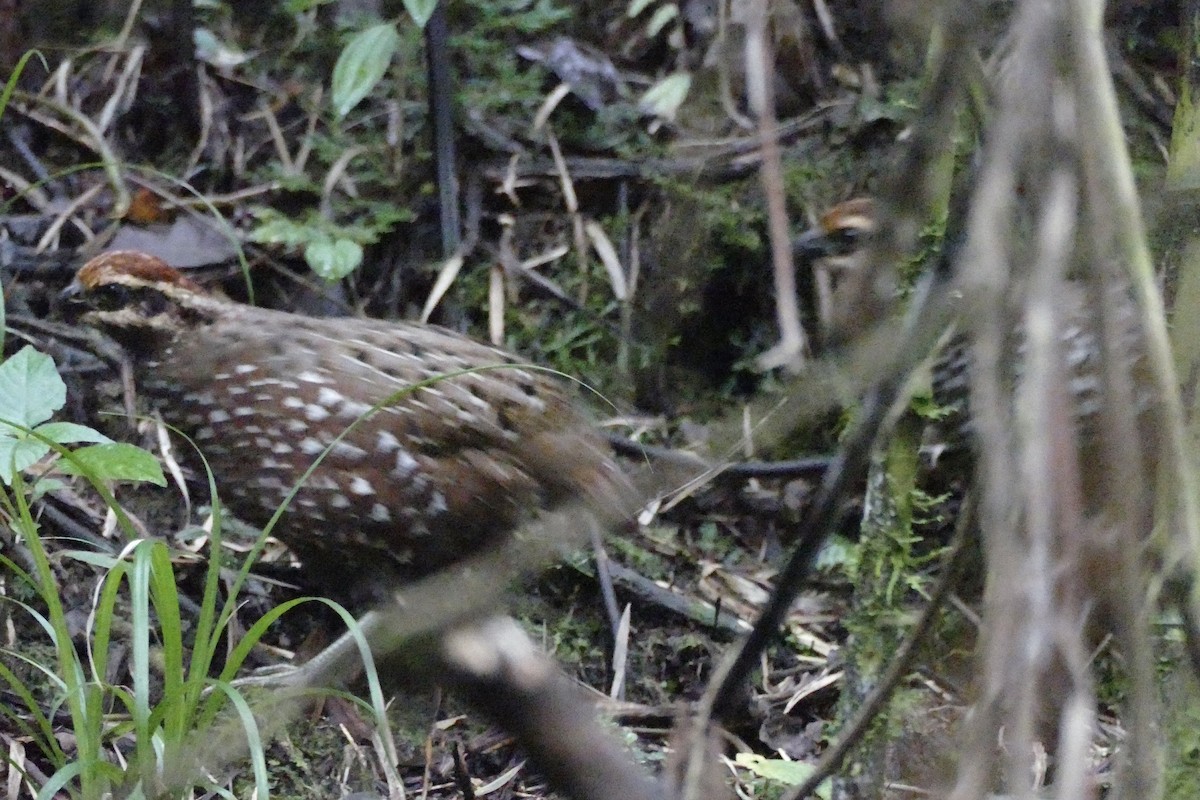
[
  {"x": 608, "y": 257},
  {"x": 445, "y": 279},
  {"x": 549, "y": 104},
  {"x": 496, "y": 305}
]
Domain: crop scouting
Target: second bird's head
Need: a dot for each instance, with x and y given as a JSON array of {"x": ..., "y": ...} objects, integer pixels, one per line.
[{"x": 839, "y": 239}]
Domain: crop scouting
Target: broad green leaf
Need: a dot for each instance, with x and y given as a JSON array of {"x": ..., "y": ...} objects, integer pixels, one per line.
[
  {"x": 18, "y": 454},
  {"x": 104, "y": 561},
  {"x": 362, "y": 65},
  {"x": 43, "y": 486},
  {"x": 420, "y": 10},
  {"x": 663, "y": 99},
  {"x": 30, "y": 388},
  {"x": 637, "y": 7},
  {"x": 792, "y": 773},
  {"x": 662, "y": 16},
  {"x": 69, "y": 432},
  {"x": 275, "y": 229},
  {"x": 211, "y": 50},
  {"x": 300, "y": 6},
  {"x": 333, "y": 259},
  {"x": 116, "y": 461}
]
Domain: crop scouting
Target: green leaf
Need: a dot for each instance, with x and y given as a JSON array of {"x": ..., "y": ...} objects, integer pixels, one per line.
[
  {"x": 663, "y": 99},
  {"x": 116, "y": 461},
  {"x": 792, "y": 773},
  {"x": 361, "y": 65},
  {"x": 300, "y": 6},
  {"x": 636, "y": 7},
  {"x": 662, "y": 16},
  {"x": 104, "y": 561},
  {"x": 18, "y": 454},
  {"x": 333, "y": 259},
  {"x": 211, "y": 50},
  {"x": 69, "y": 432},
  {"x": 420, "y": 10},
  {"x": 43, "y": 486},
  {"x": 30, "y": 388},
  {"x": 276, "y": 229},
  {"x": 10, "y": 85}
]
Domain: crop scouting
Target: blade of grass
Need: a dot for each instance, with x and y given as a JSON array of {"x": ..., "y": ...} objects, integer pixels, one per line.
[
  {"x": 139, "y": 611},
  {"x": 46, "y": 741}
]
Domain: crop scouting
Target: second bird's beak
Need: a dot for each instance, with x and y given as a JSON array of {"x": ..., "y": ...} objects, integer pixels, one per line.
[{"x": 811, "y": 245}]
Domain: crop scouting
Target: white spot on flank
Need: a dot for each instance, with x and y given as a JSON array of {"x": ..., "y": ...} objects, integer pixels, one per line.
[
  {"x": 405, "y": 464},
  {"x": 200, "y": 399},
  {"x": 271, "y": 482},
  {"x": 251, "y": 430},
  {"x": 329, "y": 397},
  {"x": 352, "y": 409},
  {"x": 293, "y": 402},
  {"x": 380, "y": 513},
  {"x": 386, "y": 442},
  {"x": 437, "y": 504},
  {"x": 296, "y": 426},
  {"x": 245, "y": 369},
  {"x": 339, "y": 501},
  {"x": 360, "y": 485},
  {"x": 347, "y": 451},
  {"x": 308, "y": 376},
  {"x": 310, "y": 446},
  {"x": 282, "y": 448},
  {"x": 244, "y": 411},
  {"x": 316, "y": 413},
  {"x": 233, "y": 390}
]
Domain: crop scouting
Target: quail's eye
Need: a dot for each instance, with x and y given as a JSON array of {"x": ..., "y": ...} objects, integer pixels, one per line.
[
  {"x": 846, "y": 240},
  {"x": 112, "y": 297}
]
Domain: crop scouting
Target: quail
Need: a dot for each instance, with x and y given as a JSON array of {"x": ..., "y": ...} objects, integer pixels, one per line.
[
  {"x": 424, "y": 446},
  {"x": 836, "y": 247}
]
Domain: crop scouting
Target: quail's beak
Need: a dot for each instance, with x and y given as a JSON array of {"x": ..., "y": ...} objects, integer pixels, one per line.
[
  {"x": 811, "y": 245},
  {"x": 72, "y": 292},
  {"x": 71, "y": 303}
]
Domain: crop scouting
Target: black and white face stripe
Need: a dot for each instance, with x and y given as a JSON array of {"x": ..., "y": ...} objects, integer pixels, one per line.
[{"x": 842, "y": 232}]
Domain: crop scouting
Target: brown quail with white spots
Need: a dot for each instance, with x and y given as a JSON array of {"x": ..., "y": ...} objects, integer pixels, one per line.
[
  {"x": 837, "y": 245},
  {"x": 468, "y": 442}
]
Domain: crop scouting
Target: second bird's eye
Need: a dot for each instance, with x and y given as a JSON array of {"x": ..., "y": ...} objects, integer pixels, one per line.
[{"x": 846, "y": 240}]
